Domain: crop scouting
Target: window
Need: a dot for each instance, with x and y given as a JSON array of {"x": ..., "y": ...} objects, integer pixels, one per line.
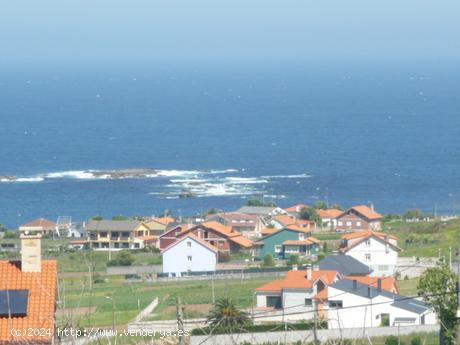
[
  {"x": 189, "y": 258},
  {"x": 367, "y": 257},
  {"x": 358, "y": 223},
  {"x": 189, "y": 244},
  {"x": 348, "y": 223},
  {"x": 368, "y": 242},
  {"x": 301, "y": 237},
  {"x": 125, "y": 234},
  {"x": 336, "y": 304},
  {"x": 103, "y": 234},
  {"x": 308, "y": 302},
  {"x": 274, "y": 302},
  {"x": 278, "y": 248},
  {"x": 340, "y": 223},
  {"x": 137, "y": 245}
]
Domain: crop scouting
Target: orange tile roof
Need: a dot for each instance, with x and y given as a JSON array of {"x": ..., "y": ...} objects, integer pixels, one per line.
[
  {"x": 165, "y": 220},
  {"x": 268, "y": 231},
  {"x": 40, "y": 222},
  {"x": 294, "y": 208},
  {"x": 196, "y": 238},
  {"x": 149, "y": 238},
  {"x": 307, "y": 241},
  {"x": 226, "y": 231},
  {"x": 286, "y": 220},
  {"x": 219, "y": 227},
  {"x": 367, "y": 212},
  {"x": 298, "y": 280},
  {"x": 388, "y": 283},
  {"x": 329, "y": 213},
  {"x": 41, "y": 303}
]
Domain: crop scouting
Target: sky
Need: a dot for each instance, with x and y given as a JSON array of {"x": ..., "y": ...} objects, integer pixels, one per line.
[{"x": 236, "y": 29}]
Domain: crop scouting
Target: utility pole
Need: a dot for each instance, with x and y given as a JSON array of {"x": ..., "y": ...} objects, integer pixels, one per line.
[
  {"x": 315, "y": 323},
  {"x": 180, "y": 321}
]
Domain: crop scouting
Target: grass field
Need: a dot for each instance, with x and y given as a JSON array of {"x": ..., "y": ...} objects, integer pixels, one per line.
[
  {"x": 425, "y": 239},
  {"x": 94, "y": 308}
]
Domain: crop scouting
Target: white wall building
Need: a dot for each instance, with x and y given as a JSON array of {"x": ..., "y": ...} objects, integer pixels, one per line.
[
  {"x": 189, "y": 254},
  {"x": 374, "y": 249},
  {"x": 355, "y": 305}
]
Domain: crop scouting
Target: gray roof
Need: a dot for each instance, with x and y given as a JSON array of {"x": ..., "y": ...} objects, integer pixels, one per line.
[
  {"x": 362, "y": 290},
  {"x": 259, "y": 210},
  {"x": 345, "y": 264},
  {"x": 112, "y": 225}
]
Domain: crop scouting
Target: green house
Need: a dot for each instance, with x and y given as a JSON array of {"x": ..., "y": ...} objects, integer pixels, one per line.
[{"x": 289, "y": 241}]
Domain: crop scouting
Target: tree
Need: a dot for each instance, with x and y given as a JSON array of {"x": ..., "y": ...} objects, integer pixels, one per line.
[
  {"x": 438, "y": 287},
  {"x": 309, "y": 213},
  {"x": 414, "y": 213},
  {"x": 98, "y": 217},
  {"x": 3, "y": 228},
  {"x": 268, "y": 260},
  {"x": 258, "y": 202},
  {"x": 226, "y": 316},
  {"x": 120, "y": 217},
  {"x": 293, "y": 260},
  {"x": 123, "y": 258},
  {"x": 320, "y": 205}
]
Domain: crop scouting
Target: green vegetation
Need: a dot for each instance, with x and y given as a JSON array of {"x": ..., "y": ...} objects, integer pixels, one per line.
[
  {"x": 293, "y": 260},
  {"x": 226, "y": 317},
  {"x": 408, "y": 287},
  {"x": 425, "y": 239},
  {"x": 320, "y": 205},
  {"x": 309, "y": 213},
  {"x": 258, "y": 202},
  {"x": 123, "y": 258},
  {"x": 120, "y": 217},
  {"x": 438, "y": 287},
  {"x": 268, "y": 260}
]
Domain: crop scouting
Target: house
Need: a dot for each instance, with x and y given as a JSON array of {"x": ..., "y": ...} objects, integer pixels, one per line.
[
  {"x": 171, "y": 235},
  {"x": 283, "y": 220},
  {"x": 223, "y": 237},
  {"x": 155, "y": 226},
  {"x": 28, "y": 294},
  {"x": 346, "y": 265},
  {"x": 189, "y": 254},
  {"x": 298, "y": 294},
  {"x": 264, "y": 211},
  {"x": 294, "y": 210},
  {"x": 352, "y": 304},
  {"x": 329, "y": 217},
  {"x": 249, "y": 225},
  {"x": 359, "y": 218},
  {"x": 45, "y": 226},
  {"x": 118, "y": 234},
  {"x": 377, "y": 250},
  {"x": 292, "y": 240}
]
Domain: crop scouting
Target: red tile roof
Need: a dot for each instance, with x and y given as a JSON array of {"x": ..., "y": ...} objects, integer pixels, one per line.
[
  {"x": 298, "y": 280},
  {"x": 329, "y": 213},
  {"x": 40, "y": 222},
  {"x": 366, "y": 234},
  {"x": 388, "y": 283},
  {"x": 41, "y": 303},
  {"x": 307, "y": 241},
  {"x": 226, "y": 231},
  {"x": 367, "y": 212}
]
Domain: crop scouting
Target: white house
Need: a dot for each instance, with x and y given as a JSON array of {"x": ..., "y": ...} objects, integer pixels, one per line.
[
  {"x": 377, "y": 250},
  {"x": 352, "y": 304},
  {"x": 189, "y": 254},
  {"x": 295, "y": 297}
]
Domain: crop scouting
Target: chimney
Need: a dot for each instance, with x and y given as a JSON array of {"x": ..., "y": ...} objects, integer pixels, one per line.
[
  {"x": 309, "y": 272},
  {"x": 31, "y": 256},
  {"x": 369, "y": 291},
  {"x": 316, "y": 268},
  {"x": 379, "y": 284},
  {"x": 355, "y": 284},
  {"x": 294, "y": 267},
  {"x": 372, "y": 206}
]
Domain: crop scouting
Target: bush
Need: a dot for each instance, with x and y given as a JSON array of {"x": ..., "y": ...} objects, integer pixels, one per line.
[
  {"x": 293, "y": 260},
  {"x": 123, "y": 258},
  {"x": 98, "y": 279},
  {"x": 224, "y": 257},
  {"x": 416, "y": 341},
  {"x": 393, "y": 340},
  {"x": 268, "y": 260}
]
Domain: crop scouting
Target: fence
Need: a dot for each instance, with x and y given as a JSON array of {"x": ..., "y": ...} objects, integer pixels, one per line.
[{"x": 305, "y": 336}]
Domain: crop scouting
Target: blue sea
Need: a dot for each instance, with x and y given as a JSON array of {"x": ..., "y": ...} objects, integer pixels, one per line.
[{"x": 386, "y": 133}]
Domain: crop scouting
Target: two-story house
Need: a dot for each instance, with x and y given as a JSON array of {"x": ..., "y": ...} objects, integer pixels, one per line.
[
  {"x": 359, "y": 218},
  {"x": 118, "y": 234},
  {"x": 377, "y": 250},
  {"x": 223, "y": 237},
  {"x": 353, "y": 304},
  {"x": 249, "y": 225},
  {"x": 295, "y": 297},
  {"x": 189, "y": 254},
  {"x": 292, "y": 240}
]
